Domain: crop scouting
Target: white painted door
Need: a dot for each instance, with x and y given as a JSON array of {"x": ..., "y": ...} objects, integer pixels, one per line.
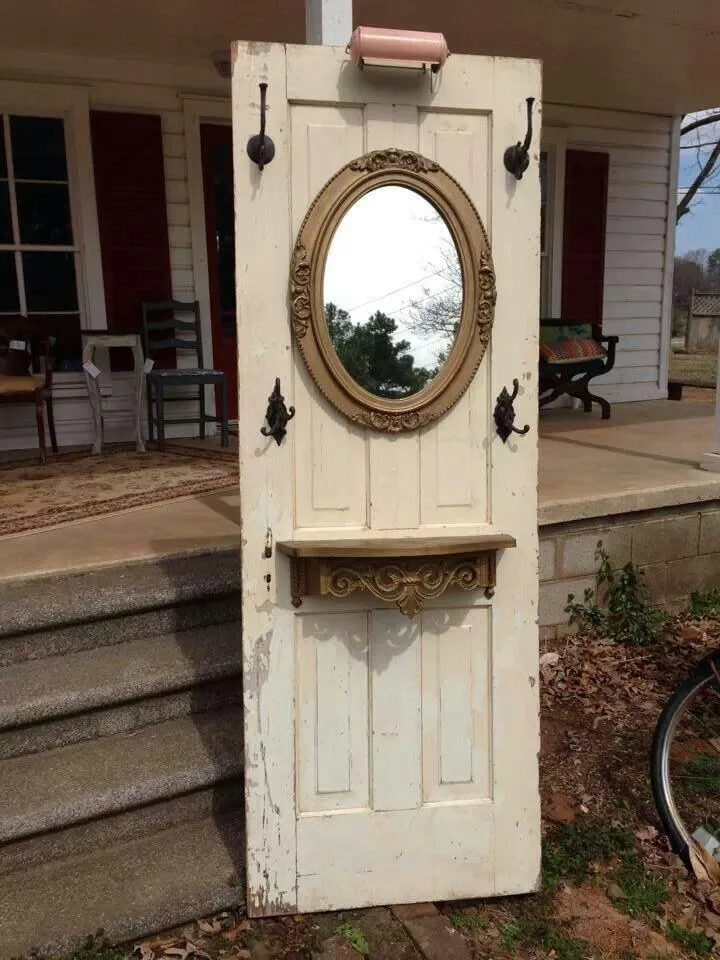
[{"x": 387, "y": 759}]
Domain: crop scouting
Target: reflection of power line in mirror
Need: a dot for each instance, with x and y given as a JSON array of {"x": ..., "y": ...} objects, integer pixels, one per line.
[
  {"x": 414, "y": 303},
  {"x": 391, "y": 292}
]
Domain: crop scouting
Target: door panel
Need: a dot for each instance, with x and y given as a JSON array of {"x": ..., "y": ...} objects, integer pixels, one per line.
[
  {"x": 457, "y": 698},
  {"x": 387, "y": 759},
  {"x": 332, "y": 712}
]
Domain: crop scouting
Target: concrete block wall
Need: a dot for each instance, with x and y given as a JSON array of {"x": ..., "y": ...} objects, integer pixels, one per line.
[{"x": 678, "y": 548}]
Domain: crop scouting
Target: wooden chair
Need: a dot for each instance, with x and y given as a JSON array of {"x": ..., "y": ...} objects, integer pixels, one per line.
[
  {"x": 163, "y": 331},
  {"x": 26, "y": 371},
  {"x": 571, "y": 355}
]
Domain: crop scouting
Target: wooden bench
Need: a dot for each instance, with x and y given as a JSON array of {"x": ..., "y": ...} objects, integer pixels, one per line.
[{"x": 571, "y": 375}]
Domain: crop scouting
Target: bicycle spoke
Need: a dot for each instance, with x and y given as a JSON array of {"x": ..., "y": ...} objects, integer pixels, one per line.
[{"x": 704, "y": 723}]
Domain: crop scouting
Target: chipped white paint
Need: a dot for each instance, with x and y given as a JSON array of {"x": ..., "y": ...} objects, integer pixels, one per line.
[{"x": 386, "y": 759}]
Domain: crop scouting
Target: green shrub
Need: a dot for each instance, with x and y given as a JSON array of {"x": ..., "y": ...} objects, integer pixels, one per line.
[
  {"x": 705, "y": 603},
  {"x": 627, "y": 614}
]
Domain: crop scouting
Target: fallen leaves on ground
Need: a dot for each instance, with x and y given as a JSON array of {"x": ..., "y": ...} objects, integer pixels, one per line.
[{"x": 175, "y": 948}]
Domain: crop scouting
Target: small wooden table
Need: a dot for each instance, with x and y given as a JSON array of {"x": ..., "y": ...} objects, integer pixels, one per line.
[{"x": 91, "y": 341}]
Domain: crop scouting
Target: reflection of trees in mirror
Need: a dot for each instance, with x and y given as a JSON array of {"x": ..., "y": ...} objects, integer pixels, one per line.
[
  {"x": 372, "y": 356},
  {"x": 438, "y": 314}
]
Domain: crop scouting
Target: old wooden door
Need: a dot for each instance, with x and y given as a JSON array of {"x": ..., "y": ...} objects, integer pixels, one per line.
[{"x": 387, "y": 759}]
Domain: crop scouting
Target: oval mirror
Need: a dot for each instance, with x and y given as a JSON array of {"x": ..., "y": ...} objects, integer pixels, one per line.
[{"x": 393, "y": 291}]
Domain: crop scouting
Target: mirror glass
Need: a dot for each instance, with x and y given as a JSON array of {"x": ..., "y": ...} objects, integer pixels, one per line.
[{"x": 393, "y": 291}]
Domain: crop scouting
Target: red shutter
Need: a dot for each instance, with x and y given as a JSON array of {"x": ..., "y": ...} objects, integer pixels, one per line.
[
  {"x": 132, "y": 216},
  {"x": 586, "y": 191}
]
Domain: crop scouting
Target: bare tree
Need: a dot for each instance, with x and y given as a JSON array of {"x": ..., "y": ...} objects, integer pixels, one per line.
[
  {"x": 437, "y": 313},
  {"x": 700, "y": 133}
]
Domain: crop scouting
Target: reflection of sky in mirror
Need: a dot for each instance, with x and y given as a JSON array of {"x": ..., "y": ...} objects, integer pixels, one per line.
[{"x": 390, "y": 250}]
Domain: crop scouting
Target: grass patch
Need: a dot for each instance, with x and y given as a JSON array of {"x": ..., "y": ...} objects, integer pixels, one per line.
[
  {"x": 693, "y": 367},
  {"x": 705, "y": 603},
  {"x": 569, "y": 851},
  {"x": 535, "y": 928},
  {"x": 469, "y": 920},
  {"x": 510, "y": 935},
  {"x": 703, "y": 775},
  {"x": 697, "y": 943},
  {"x": 645, "y": 893},
  {"x": 96, "y": 948},
  {"x": 356, "y": 938}
]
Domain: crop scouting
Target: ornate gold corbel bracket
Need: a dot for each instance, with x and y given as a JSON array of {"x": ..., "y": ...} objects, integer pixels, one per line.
[{"x": 408, "y": 583}]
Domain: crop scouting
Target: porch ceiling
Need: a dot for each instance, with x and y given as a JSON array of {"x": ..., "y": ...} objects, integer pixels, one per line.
[{"x": 658, "y": 56}]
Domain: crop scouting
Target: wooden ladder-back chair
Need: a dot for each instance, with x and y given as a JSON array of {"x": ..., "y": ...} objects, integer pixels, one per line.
[
  {"x": 26, "y": 371},
  {"x": 163, "y": 331}
]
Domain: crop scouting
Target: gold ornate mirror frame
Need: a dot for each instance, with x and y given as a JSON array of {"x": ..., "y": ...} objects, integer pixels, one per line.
[{"x": 307, "y": 309}]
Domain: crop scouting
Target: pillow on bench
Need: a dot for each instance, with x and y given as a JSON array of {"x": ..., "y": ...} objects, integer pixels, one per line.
[{"x": 571, "y": 351}]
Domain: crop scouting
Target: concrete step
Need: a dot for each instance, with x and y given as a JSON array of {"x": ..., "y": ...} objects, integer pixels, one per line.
[
  {"x": 31, "y": 604},
  {"x": 59, "y": 639},
  {"x": 125, "y": 718},
  {"x": 128, "y": 890},
  {"x": 75, "y": 841},
  {"x": 85, "y": 781},
  {"x": 77, "y": 682}
]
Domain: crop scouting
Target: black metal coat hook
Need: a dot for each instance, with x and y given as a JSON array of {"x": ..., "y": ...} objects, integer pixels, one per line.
[
  {"x": 260, "y": 147},
  {"x": 505, "y": 414},
  {"x": 517, "y": 158},
  {"x": 277, "y": 415}
]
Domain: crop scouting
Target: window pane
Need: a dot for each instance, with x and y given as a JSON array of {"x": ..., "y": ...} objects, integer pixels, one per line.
[
  {"x": 50, "y": 281},
  {"x": 6, "y": 235},
  {"x": 3, "y": 160},
  {"x": 9, "y": 301},
  {"x": 44, "y": 213},
  {"x": 38, "y": 148}
]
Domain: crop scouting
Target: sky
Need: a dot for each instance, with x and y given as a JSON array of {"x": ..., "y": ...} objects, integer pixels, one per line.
[
  {"x": 700, "y": 228},
  {"x": 387, "y": 252}
]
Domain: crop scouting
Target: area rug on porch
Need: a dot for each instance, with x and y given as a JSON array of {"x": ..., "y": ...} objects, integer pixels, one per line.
[{"x": 79, "y": 486}]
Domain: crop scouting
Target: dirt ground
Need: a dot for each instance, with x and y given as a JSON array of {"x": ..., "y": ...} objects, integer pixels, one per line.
[{"x": 611, "y": 886}]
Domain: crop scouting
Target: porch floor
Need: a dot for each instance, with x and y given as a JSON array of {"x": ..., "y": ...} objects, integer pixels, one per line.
[{"x": 645, "y": 457}]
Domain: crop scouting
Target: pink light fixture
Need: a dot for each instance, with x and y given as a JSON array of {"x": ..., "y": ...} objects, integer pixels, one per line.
[{"x": 378, "y": 46}]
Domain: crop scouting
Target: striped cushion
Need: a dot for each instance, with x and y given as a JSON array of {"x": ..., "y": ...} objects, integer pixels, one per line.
[{"x": 571, "y": 351}]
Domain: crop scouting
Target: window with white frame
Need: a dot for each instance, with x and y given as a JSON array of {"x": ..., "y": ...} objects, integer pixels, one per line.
[{"x": 38, "y": 242}]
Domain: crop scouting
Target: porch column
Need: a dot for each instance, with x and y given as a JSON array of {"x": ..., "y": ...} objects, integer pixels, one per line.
[
  {"x": 711, "y": 461},
  {"x": 328, "y": 22}
]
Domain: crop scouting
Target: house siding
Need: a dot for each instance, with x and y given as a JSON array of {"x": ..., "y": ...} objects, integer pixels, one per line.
[
  {"x": 635, "y": 294},
  {"x": 636, "y": 279},
  {"x": 178, "y": 204},
  {"x": 72, "y": 413}
]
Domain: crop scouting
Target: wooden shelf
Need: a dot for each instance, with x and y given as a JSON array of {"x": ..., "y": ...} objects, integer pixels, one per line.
[{"x": 396, "y": 548}]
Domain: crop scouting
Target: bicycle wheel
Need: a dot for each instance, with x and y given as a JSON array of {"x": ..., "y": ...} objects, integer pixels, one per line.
[{"x": 685, "y": 762}]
